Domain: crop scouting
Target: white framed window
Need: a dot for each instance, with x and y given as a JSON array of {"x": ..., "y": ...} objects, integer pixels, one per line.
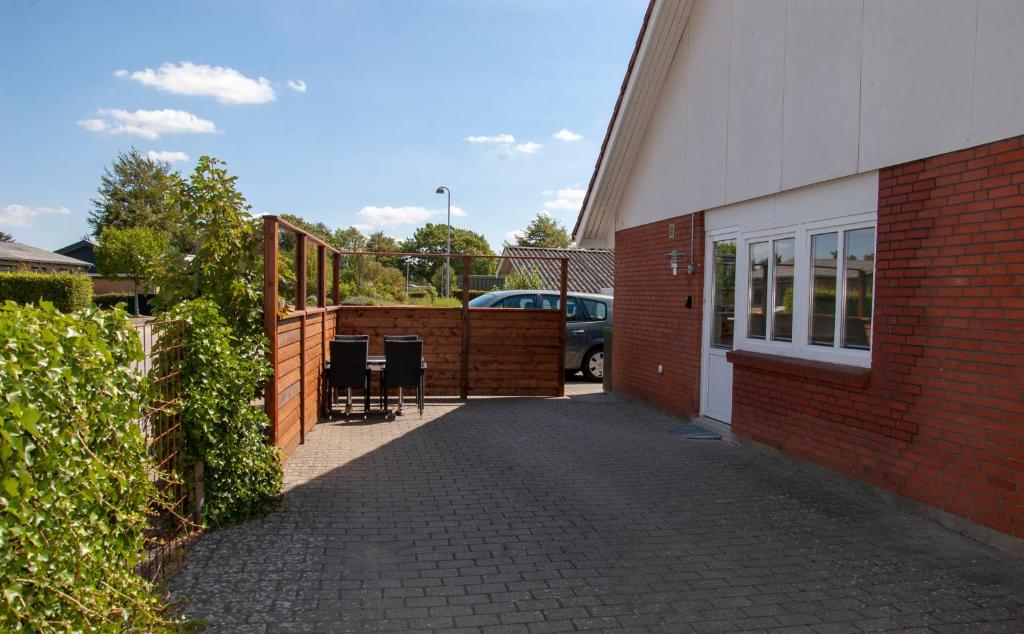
[{"x": 809, "y": 290}]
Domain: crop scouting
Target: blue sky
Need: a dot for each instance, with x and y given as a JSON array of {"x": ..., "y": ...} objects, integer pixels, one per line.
[{"x": 393, "y": 90}]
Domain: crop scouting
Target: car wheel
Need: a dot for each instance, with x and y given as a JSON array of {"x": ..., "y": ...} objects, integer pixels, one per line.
[{"x": 593, "y": 364}]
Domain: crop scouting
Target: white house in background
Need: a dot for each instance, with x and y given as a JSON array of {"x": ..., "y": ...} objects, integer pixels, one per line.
[{"x": 810, "y": 147}]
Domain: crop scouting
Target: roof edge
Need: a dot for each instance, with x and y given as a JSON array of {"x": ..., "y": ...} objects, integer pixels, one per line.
[{"x": 615, "y": 115}]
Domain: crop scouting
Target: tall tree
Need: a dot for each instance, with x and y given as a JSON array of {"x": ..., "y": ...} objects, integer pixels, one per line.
[
  {"x": 130, "y": 252},
  {"x": 133, "y": 193},
  {"x": 545, "y": 231},
  {"x": 6, "y": 237},
  {"x": 227, "y": 266},
  {"x": 431, "y": 239},
  {"x": 380, "y": 242}
]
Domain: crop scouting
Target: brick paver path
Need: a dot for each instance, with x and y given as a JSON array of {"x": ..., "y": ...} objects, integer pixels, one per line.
[{"x": 550, "y": 515}]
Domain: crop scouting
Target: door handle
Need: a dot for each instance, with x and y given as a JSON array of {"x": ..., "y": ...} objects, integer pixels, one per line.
[{"x": 577, "y": 332}]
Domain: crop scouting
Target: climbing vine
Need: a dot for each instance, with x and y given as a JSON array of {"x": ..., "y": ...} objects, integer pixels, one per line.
[{"x": 222, "y": 373}]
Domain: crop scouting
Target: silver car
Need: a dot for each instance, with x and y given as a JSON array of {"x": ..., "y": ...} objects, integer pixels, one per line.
[{"x": 586, "y": 316}]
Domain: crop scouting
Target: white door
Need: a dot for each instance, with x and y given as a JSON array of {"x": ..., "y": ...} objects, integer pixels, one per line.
[{"x": 719, "y": 319}]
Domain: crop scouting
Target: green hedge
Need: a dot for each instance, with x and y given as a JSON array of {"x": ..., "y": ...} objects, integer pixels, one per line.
[
  {"x": 74, "y": 474},
  {"x": 67, "y": 291}
]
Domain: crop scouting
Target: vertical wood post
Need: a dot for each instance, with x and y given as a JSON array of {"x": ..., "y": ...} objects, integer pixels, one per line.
[
  {"x": 336, "y": 283},
  {"x": 464, "y": 389},
  {"x": 300, "y": 271},
  {"x": 321, "y": 276},
  {"x": 321, "y": 302},
  {"x": 270, "y": 318},
  {"x": 562, "y": 311},
  {"x": 300, "y": 304}
]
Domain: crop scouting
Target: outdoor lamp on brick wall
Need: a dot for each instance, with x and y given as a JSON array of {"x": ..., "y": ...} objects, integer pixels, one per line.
[{"x": 673, "y": 260}]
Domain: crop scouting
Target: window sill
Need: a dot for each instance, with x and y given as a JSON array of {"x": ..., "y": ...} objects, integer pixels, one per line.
[{"x": 814, "y": 371}]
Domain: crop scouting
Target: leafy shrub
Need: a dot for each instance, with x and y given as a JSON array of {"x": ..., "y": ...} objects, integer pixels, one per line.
[
  {"x": 74, "y": 473},
  {"x": 359, "y": 300},
  {"x": 437, "y": 302},
  {"x": 221, "y": 373},
  {"x": 524, "y": 279},
  {"x": 67, "y": 291}
]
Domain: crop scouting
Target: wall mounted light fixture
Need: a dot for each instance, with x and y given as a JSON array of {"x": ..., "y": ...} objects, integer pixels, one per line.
[{"x": 673, "y": 260}]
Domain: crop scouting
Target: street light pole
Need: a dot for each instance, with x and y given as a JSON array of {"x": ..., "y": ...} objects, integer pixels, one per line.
[{"x": 448, "y": 245}]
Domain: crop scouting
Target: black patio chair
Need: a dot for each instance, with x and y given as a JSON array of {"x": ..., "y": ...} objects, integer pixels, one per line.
[
  {"x": 351, "y": 337},
  {"x": 403, "y": 368},
  {"x": 348, "y": 371},
  {"x": 401, "y": 338}
]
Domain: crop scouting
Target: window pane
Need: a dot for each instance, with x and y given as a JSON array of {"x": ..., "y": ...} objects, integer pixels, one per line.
[
  {"x": 724, "y": 294},
  {"x": 757, "y": 322},
  {"x": 782, "y": 310},
  {"x": 517, "y": 301},
  {"x": 572, "y": 309},
  {"x": 824, "y": 254},
  {"x": 859, "y": 267},
  {"x": 597, "y": 311}
]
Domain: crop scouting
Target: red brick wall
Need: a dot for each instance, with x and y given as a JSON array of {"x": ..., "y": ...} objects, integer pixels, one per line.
[
  {"x": 941, "y": 420},
  {"x": 651, "y": 323}
]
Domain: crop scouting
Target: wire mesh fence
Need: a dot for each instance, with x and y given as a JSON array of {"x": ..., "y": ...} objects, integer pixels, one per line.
[{"x": 174, "y": 516}]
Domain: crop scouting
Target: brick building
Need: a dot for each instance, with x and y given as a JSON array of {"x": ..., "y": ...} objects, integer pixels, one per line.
[{"x": 817, "y": 211}]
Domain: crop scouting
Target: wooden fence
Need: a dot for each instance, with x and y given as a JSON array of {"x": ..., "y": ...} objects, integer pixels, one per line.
[{"x": 469, "y": 352}]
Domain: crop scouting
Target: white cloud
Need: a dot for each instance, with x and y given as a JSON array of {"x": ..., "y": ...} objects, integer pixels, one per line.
[
  {"x": 500, "y": 139},
  {"x": 93, "y": 125},
  {"x": 297, "y": 85},
  {"x": 567, "y": 135},
  {"x": 224, "y": 84},
  {"x": 569, "y": 199},
  {"x": 167, "y": 156},
  {"x": 374, "y": 218},
  {"x": 22, "y": 216},
  {"x": 512, "y": 236},
  {"x": 148, "y": 124},
  {"x": 528, "y": 148},
  {"x": 506, "y": 143}
]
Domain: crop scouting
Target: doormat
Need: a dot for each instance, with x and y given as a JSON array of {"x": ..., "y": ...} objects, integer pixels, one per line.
[{"x": 694, "y": 432}]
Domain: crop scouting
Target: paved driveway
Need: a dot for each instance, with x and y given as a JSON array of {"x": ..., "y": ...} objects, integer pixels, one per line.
[{"x": 550, "y": 515}]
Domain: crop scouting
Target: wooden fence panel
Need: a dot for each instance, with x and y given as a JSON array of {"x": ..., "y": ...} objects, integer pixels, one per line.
[
  {"x": 439, "y": 328},
  {"x": 515, "y": 352}
]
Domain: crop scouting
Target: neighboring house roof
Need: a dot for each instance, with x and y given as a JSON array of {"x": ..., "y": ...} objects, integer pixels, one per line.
[
  {"x": 83, "y": 250},
  {"x": 590, "y": 270},
  {"x": 17, "y": 252}
]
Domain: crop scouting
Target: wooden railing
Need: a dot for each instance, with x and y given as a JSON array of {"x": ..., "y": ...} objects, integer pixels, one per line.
[{"x": 506, "y": 352}]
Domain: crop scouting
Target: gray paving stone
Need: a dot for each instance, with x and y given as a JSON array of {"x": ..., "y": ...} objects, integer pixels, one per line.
[{"x": 581, "y": 513}]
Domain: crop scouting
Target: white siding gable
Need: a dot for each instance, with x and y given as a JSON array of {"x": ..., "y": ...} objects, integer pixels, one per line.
[{"x": 765, "y": 96}]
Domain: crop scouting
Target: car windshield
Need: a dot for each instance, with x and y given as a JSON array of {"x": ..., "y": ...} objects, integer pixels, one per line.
[{"x": 481, "y": 302}]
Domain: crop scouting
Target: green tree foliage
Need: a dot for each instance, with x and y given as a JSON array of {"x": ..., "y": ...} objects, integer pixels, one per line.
[
  {"x": 227, "y": 266},
  {"x": 67, "y": 291},
  {"x": 221, "y": 372},
  {"x": 524, "y": 279},
  {"x": 131, "y": 252},
  {"x": 6, "y": 237},
  {"x": 380, "y": 242},
  {"x": 545, "y": 231},
  {"x": 75, "y": 474},
  {"x": 134, "y": 192},
  {"x": 431, "y": 239}
]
